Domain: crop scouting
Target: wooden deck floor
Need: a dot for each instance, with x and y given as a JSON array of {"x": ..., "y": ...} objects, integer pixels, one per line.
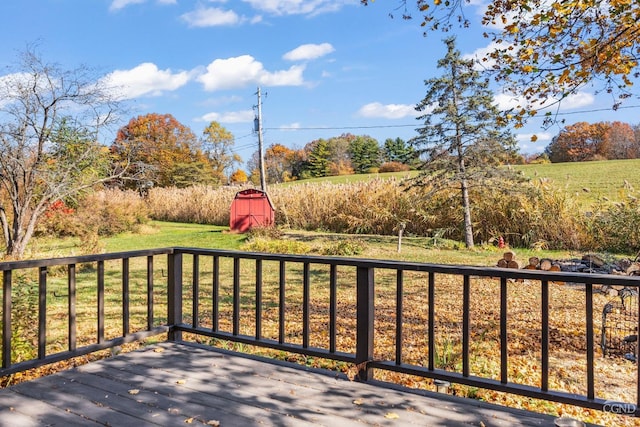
[{"x": 174, "y": 384}]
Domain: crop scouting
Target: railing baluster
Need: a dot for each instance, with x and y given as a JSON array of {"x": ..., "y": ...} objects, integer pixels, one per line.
[
  {"x": 305, "y": 305},
  {"x": 71, "y": 282},
  {"x": 6, "y": 319},
  {"x": 431, "y": 332},
  {"x": 125, "y": 297},
  {"x": 333, "y": 306},
  {"x": 466, "y": 309},
  {"x": 504, "y": 344},
  {"x": 365, "y": 321},
  {"x": 216, "y": 294},
  {"x": 150, "y": 319},
  {"x": 258, "y": 299},
  {"x": 544, "y": 386},
  {"x": 590, "y": 340},
  {"x": 399, "y": 315},
  {"x": 195, "y": 297},
  {"x": 282, "y": 303},
  {"x": 236, "y": 295},
  {"x": 42, "y": 312},
  {"x": 100, "y": 308}
]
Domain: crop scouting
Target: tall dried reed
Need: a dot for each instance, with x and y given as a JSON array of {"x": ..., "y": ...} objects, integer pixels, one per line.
[{"x": 530, "y": 215}]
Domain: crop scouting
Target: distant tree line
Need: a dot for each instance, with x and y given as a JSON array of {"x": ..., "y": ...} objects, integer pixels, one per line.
[
  {"x": 341, "y": 155},
  {"x": 584, "y": 141}
]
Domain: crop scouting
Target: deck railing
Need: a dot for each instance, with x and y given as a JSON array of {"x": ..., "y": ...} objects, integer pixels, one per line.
[{"x": 321, "y": 307}]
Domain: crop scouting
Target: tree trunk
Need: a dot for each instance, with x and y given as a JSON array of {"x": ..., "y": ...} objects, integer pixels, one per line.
[{"x": 468, "y": 226}]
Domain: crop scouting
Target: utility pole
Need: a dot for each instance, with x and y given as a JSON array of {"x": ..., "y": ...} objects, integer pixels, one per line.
[{"x": 258, "y": 128}]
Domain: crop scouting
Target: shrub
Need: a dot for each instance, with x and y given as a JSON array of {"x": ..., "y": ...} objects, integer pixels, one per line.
[
  {"x": 394, "y": 167},
  {"x": 262, "y": 244},
  {"x": 103, "y": 213},
  {"x": 342, "y": 248}
]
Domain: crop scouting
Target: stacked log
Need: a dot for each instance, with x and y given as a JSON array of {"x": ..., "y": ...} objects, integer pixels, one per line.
[
  {"x": 508, "y": 260},
  {"x": 589, "y": 263}
]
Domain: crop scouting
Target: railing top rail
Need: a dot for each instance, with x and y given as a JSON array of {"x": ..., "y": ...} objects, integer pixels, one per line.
[
  {"x": 16, "y": 265},
  {"x": 482, "y": 271}
]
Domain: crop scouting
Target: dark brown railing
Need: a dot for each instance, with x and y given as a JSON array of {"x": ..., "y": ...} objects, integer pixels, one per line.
[{"x": 291, "y": 303}]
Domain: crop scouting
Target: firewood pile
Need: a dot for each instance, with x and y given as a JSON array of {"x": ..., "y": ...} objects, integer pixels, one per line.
[{"x": 589, "y": 263}]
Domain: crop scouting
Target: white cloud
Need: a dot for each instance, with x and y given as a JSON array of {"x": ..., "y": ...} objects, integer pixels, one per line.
[
  {"x": 389, "y": 111},
  {"x": 541, "y": 137},
  {"x": 578, "y": 100},
  {"x": 145, "y": 79},
  {"x": 308, "y": 51},
  {"x": 526, "y": 145},
  {"x": 121, "y": 4},
  {"x": 292, "y": 126},
  {"x": 241, "y": 71},
  {"x": 211, "y": 17},
  {"x": 298, "y": 7},
  {"x": 230, "y": 117}
]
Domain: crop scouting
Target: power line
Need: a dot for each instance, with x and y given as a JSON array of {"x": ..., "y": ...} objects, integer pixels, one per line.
[
  {"x": 565, "y": 113},
  {"x": 343, "y": 127}
]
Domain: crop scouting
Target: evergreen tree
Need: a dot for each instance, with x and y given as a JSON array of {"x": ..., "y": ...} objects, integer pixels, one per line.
[
  {"x": 365, "y": 154},
  {"x": 397, "y": 150},
  {"x": 319, "y": 158},
  {"x": 462, "y": 141}
]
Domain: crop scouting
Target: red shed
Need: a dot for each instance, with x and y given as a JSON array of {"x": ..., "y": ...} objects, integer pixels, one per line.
[{"x": 251, "y": 208}]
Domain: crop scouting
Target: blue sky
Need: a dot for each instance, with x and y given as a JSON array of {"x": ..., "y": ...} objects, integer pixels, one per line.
[{"x": 326, "y": 67}]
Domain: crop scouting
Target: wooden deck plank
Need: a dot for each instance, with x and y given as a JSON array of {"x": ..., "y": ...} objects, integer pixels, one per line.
[
  {"x": 15, "y": 410},
  {"x": 178, "y": 383}
]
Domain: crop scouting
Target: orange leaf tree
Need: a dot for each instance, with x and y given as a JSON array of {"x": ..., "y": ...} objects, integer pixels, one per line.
[
  {"x": 592, "y": 141},
  {"x": 161, "y": 150}
]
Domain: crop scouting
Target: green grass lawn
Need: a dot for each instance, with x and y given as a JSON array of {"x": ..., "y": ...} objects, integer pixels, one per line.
[
  {"x": 589, "y": 181},
  {"x": 156, "y": 234}
]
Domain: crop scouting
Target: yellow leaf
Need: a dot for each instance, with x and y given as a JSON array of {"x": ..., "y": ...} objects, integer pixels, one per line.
[
  {"x": 189, "y": 420},
  {"x": 392, "y": 416},
  {"x": 358, "y": 402},
  {"x": 134, "y": 391},
  {"x": 181, "y": 382},
  {"x": 158, "y": 350},
  {"x": 214, "y": 423}
]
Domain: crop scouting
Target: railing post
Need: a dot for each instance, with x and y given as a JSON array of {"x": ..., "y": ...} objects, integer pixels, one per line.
[
  {"x": 174, "y": 297},
  {"x": 364, "y": 322}
]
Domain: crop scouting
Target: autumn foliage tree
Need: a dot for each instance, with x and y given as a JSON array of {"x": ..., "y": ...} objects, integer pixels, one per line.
[
  {"x": 544, "y": 51},
  {"x": 218, "y": 143},
  {"x": 584, "y": 141},
  {"x": 162, "y": 150},
  {"x": 278, "y": 162}
]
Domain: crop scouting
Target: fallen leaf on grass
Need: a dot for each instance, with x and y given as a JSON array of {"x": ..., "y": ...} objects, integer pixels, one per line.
[{"x": 392, "y": 416}]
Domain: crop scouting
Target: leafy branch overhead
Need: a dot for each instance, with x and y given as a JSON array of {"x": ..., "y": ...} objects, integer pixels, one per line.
[{"x": 543, "y": 52}]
